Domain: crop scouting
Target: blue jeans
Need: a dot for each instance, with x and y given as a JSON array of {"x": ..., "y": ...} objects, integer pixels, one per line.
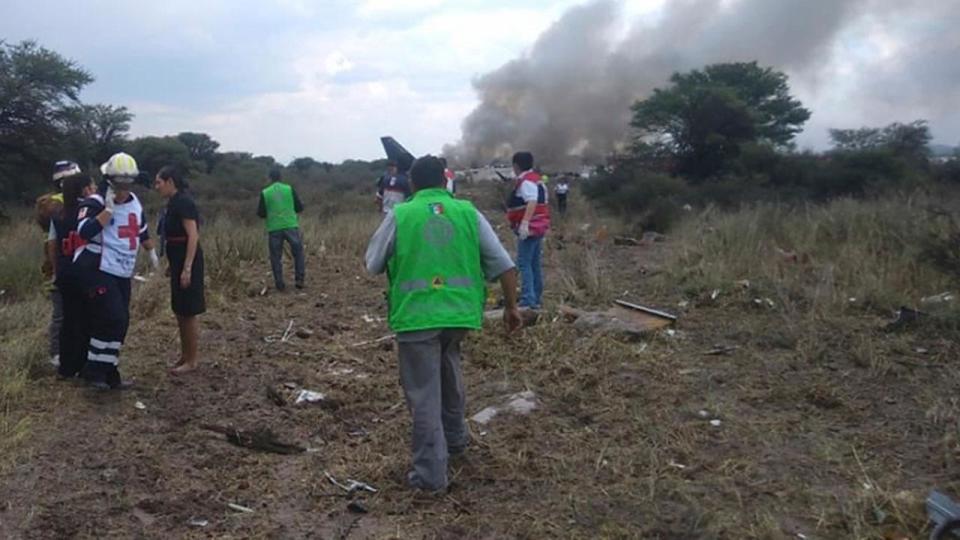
[
  {"x": 275, "y": 242},
  {"x": 529, "y": 253}
]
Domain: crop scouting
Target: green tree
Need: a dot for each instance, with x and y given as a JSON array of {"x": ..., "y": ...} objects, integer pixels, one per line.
[
  {"x": 700, "y": 122},
  {"x": 38, "y": 87},
  {"x": 910, "y": 141},
  {"x": 152, "y": 153},
  {"x": 201, "y": 147},
  {"x": 96, "y": 132}
]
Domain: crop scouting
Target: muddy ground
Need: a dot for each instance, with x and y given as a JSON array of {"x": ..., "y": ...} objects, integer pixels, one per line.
[{"x": 819, "y": 429}]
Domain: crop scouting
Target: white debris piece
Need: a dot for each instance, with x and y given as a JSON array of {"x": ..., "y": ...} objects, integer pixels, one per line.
[
  {"x": 715, "y": 423},
  {"x": 523, "y": 403},
  {"x": 309, "y": 396},
  {"x": 139, "y": 405},
  {"x": 941, "y": 298},
  {"x": 198, "y": 522}
]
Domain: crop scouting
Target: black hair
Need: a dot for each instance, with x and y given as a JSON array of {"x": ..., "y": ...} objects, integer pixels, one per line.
[
  {"x": 172, "y": 172},
  {"x": 427, "y": 172},
  {"x": 274, "y": 174},
  {"x": 73, "y": 192},
  {"x": 524, "y": 160}
]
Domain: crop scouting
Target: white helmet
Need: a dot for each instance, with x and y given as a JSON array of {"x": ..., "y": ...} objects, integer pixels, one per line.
[
  {"x": 64, "y": 169},
  {"x": 121, "y": 168}
]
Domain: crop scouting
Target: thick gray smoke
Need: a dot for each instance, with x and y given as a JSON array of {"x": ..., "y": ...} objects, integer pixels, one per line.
[{"x": 568, "y": 99}]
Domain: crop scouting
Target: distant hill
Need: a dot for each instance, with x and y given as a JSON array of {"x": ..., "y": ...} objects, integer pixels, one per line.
[{"x": 942, "y": 150}]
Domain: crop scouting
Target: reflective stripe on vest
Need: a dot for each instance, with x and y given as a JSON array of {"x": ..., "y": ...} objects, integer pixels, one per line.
[
  {"x": 281, "y": 214},
  {"x": 436, "y": 280}
]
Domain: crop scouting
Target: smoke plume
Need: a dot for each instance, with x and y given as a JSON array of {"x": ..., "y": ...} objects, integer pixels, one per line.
[{"x": 568, "y": 98}]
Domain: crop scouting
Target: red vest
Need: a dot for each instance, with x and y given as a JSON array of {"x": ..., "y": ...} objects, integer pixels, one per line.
[{"x": 517, "y": 207}]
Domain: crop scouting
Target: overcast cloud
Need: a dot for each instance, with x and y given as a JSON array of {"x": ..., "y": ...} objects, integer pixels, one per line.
[{"x": 327, "y": 78}]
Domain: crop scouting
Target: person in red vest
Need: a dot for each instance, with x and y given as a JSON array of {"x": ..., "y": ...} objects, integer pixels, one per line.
[{"x": 529, "y": 217}]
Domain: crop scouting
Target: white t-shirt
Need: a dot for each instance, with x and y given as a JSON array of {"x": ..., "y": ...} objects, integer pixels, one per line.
[
  {"x": 528, "y": 191},
  {"x": 562, "y": 188}
]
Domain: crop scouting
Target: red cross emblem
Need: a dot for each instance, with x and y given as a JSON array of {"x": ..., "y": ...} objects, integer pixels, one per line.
[{"x": 131, "y": 230}]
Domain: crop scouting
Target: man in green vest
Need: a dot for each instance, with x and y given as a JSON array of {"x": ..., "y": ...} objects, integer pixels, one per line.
[
  {"x": 279, "y": 205},
  {"x": 438, "y": 253}
]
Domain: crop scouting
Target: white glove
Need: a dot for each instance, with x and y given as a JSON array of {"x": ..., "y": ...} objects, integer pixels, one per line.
[
  {"x": 109, "y": 199},
  {"x": 524, "y": 230},
  {"x": 154, "y": 259}
]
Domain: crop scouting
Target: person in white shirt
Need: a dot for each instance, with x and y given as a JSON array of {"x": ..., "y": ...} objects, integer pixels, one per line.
[{"x": 561, "y": 190}]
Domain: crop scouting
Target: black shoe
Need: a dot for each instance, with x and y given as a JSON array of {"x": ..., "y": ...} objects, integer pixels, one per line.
[
  {"x": 299, "y": 286},
  {"x": 281, "y": 287}
]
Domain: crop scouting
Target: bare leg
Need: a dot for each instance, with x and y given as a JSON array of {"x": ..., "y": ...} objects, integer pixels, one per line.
[{"x": 189, "y": 341}]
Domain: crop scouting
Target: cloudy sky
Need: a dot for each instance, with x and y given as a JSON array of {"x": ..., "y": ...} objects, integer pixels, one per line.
[{"x": 326, "y": 78}]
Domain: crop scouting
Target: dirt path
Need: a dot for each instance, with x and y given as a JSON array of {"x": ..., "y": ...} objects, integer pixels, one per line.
[{"x": 826, "y": 431}]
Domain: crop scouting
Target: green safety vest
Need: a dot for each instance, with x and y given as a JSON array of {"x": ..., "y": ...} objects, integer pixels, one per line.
[
  {"x": 436, "y": 280},
  {"x": 278, "y": 198}
]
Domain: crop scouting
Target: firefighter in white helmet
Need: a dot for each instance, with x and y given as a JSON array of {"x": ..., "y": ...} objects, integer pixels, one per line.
[{"x": 113, "y": 228}]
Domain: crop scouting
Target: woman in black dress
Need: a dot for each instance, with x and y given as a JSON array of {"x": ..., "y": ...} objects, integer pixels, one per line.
[{"x": 182, "y": 237}]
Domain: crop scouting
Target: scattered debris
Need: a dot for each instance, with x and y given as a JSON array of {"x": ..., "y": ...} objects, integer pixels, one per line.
[
  {"x": 683, "y": 304},
  {"x": 921, "y": 350},
  {"x": 351, "y": 485},
  {"x": 529, "y": 317},
  {"x": 304, "y": 333},
  {"x": 140, "y": 278},
  {"x": 383, "y": 339},
  {"x": 286, "y": 333},
  {"x": 715, "y": 423},
  {"x": 263, "y": 291},
  {"x": 703, "y": 413},
  {"x": 290, "y": 385},
  {"x": 630, "y": 320},
  {"x": 651, "y": 237},
  {"x": 368, "y": 319},
  {"x": 743, "y": 283},
  {"x": 140, "y": 406},
  {"x": 942, "y": 298},
  {"x": 715, "y": 294},
  {"x": 263, "y": 440},
  {"x": 523, "y": 403},
  {"x": 626, "y": 241},
  {"x": 357, "y": 507},
  {"x": 720, "y": 350},
  {"x": 194, "y": 522},
  {"x": 309, "y": 396},
  {"x": 239, "y": 508},
  {"x": 945, "y": 513},
  {"x": 676, "y": 465}
]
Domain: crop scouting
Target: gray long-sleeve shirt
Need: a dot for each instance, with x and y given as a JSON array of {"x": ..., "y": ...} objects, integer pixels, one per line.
[{"x": 494, "y": 259}]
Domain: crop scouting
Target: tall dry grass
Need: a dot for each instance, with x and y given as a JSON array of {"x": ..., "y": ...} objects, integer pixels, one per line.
[{"x": 848, "y": 254}]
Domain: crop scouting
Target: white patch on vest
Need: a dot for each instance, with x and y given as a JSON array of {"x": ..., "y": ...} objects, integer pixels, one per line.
[{"x": 121, "y": 239}]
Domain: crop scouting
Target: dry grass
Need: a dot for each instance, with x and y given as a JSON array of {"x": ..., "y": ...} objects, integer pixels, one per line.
[
  {"x": 849, "y": 254},
  {"x": 829, "y": 428}
]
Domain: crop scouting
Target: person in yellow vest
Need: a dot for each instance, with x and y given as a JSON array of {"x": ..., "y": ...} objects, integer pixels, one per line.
[
  {"x": 49, "y": 208},
  {"x": 438, "y": 252},
  {"x": 279, "y": 206}
]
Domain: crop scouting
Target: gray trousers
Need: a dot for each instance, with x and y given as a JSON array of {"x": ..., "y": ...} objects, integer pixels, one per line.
[
  {"x": 433, "y": 386},
  {"x": 276, "y": 240},
  {"x": 56, "y": 321}
]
